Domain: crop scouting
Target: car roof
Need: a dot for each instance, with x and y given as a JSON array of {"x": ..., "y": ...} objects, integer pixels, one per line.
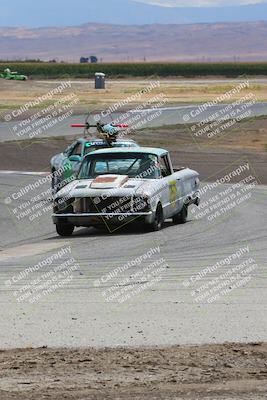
[
  {"x": 99, "y": 140},
  {"x": 144, "y": 150}
]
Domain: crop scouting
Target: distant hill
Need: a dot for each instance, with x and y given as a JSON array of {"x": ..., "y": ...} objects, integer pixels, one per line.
[
  {"x": 202, "y": 42},
  {"x": 128, "y": 12}
]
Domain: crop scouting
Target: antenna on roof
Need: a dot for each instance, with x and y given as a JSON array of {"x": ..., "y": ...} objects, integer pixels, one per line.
[{"x": 108, "y": 132}]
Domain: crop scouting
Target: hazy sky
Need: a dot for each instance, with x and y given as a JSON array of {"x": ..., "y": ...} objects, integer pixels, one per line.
[
  {"x": 201, "y": 3},
  {"x": 36, "y": 13}
]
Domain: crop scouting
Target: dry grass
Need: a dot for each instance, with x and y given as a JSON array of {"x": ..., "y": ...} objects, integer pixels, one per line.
[{"x": 16, "y": 94}]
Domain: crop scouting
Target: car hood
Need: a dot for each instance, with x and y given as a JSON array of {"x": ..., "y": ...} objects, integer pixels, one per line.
[{"x": 107, "y": 185}]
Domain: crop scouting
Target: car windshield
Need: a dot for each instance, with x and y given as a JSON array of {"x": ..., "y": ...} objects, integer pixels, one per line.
[
  {"x": 135, "y": 165},
  {"x": 89, "y": 147}
]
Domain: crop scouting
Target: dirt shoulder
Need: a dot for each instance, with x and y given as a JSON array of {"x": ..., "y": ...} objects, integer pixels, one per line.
[{"x": 218, "y": 371}]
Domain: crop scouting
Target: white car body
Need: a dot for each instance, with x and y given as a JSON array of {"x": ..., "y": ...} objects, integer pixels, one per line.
[{"x": 118, "y": 198}]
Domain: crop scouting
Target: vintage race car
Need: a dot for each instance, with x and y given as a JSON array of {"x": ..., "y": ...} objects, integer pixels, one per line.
[
  {"x": 117, "y": 186},
  {"x": 9, "y": 75},
  {"x": 65, "y": 166}
]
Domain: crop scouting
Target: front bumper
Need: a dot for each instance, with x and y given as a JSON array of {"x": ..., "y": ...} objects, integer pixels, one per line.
[{"x": 89, "y": 219}]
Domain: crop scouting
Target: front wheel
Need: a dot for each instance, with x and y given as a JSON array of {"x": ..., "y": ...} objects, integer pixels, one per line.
[
  {"x": 157, "y": 224},
  {"x": 53, "y": 182},
  {"x": 64, "y": 229},
  {"x": 181, "y": 217}
]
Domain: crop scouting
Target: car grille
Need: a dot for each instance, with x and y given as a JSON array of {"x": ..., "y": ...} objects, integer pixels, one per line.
[{"x": 110, "y": 205}]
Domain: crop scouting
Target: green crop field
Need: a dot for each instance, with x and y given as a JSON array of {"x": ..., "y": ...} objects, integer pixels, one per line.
[{"x": 61, "y": 70}]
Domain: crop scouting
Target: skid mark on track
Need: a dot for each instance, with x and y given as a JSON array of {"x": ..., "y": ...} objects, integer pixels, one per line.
[{"x": 28, "y": 250}]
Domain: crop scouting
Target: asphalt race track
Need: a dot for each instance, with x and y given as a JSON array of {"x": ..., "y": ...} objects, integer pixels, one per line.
[
  {"x": 170, "y": 310},
  {"x": 150, "y": 118}
]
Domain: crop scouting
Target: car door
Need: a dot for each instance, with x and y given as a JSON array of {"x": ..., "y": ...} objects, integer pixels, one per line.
[
  {"x": 172, "y": 188},
  {"x": 76, "y": 157},
  {"x": 71, "y": 162}
]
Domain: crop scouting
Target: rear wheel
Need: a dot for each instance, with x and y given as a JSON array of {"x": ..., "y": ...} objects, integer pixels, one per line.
[
  {"x": 181, "y": 217},
  {"x": 64, "y": 229},
  {"x": 157, "y": 224}
]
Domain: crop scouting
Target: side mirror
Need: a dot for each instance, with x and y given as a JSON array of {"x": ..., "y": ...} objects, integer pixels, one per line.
[{"x": 75, "y": 158}]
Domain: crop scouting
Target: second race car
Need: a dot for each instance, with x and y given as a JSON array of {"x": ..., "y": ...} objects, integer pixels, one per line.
[{"x": 65, "y": 166}]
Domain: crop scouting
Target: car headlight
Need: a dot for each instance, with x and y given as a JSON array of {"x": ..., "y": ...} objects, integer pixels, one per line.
[
  {"x": 141, "y": 204},
  {"x": 63, "y": 204}
]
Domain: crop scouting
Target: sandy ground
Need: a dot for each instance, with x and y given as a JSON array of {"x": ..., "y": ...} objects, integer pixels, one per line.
[{"x": 233, "y": 371}]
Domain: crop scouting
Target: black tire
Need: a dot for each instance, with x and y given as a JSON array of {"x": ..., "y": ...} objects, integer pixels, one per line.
[
  {"x": 53, "y": 182},
  {"x": 157, "y": 224},
  {"x": 64, "y": 229},
  {"x": 181, "y": 217}
]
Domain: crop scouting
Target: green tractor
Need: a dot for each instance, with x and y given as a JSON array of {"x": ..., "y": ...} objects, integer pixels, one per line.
[{"x": 7, "y": 74}]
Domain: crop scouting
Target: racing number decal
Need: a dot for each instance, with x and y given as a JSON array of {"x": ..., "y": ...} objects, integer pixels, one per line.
[{"x": 173, "y": 193}]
